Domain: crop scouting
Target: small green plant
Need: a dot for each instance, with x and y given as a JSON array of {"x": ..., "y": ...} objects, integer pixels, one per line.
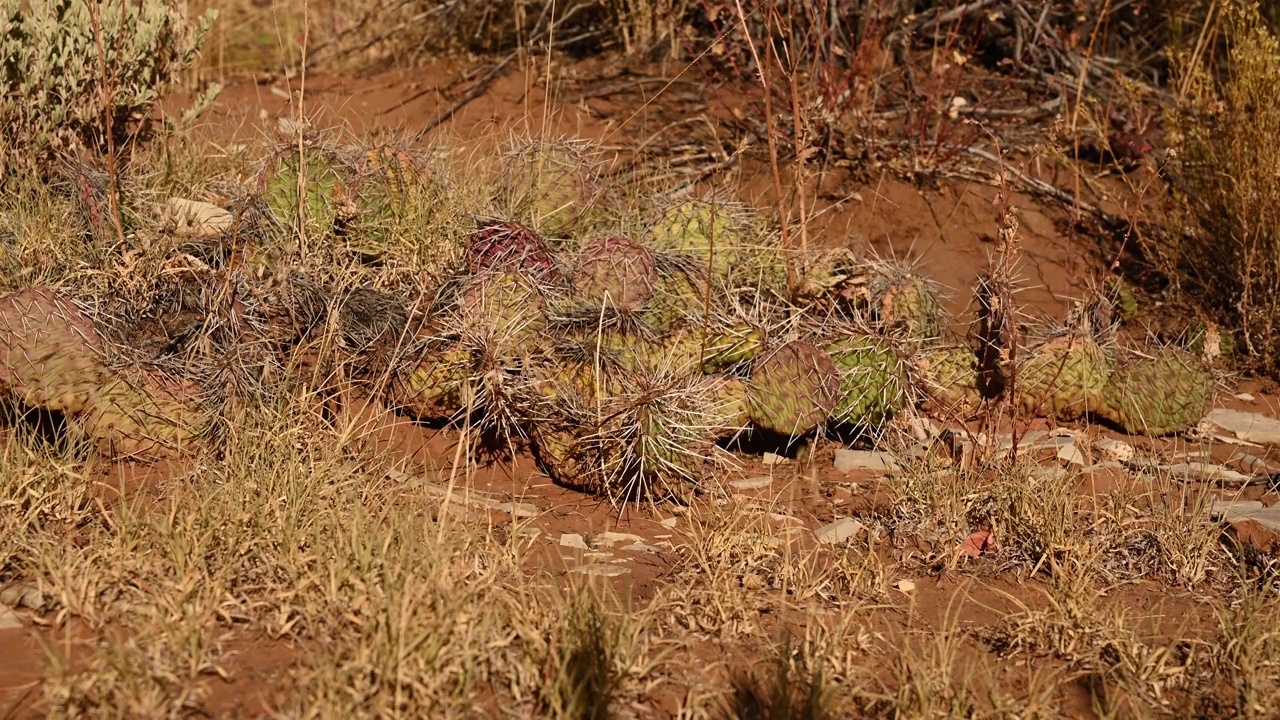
[
  {"x": 1225, "y": 134},
  {"x": 72, "y": 74}
]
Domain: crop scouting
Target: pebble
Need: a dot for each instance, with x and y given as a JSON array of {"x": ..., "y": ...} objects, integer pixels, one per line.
[
  {"x": 669, "y": 523},
  {"x": 1251, "y": 427},
  {"x": 755, "y": 483},
  {"x": 1246, "y": 397},
  {"x": 771, "y": 459},
  {"x": 838, "y": 531},
  {"x": 850, "y": 460},
  {"x": 573, "y": 540},
  {"x": 906, "y": 586},
  {"x": 1113, "y": 449}
]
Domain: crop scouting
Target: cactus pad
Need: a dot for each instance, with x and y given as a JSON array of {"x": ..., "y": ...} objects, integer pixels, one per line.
[
  {"x": 871, "y": 391},
  {"x": 616, "y": 272},
  {"x": 50, "y": 354},
  {"x": 1168, "y": 392},
  {"x": 145, "y": 415},
  {"x": 498, "y": 245},
  {"x": 793, "y": 389}
]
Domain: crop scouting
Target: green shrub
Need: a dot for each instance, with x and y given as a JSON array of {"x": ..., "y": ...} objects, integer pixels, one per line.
[
  {"x": 51, "y": 72},
  {"x": 1225, "y": 143}
]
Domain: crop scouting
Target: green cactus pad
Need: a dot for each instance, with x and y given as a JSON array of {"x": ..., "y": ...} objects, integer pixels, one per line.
[
  {"x": 142, "y": 414},
  {"x": 1167, "y": 392},
  {"x": 947, "y": 377},
  {"x": 871, "y": 391},
  {"x": 1062, "y": 378},
  {"x": 793, "y": 389},
  {"x": 50, "y": 353}
]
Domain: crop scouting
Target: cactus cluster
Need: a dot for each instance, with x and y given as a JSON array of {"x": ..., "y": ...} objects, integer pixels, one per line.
[{"x": 624, "y": 360}]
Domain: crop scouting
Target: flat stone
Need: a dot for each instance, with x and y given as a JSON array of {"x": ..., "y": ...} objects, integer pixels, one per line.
[
  {"x": 524, "y": 510},
  {"x": 906, "y": 586},
  {"x": 1252, "y": 427},
  {"x": 22, "y": 595},
  {"x": 602, "y": 569},
  {"x": 613, "y": 538},
  {"x": 1207, "y": 471},
  {"x": 573, "y": 540},
  {"x": 1054, "y": 442},
  {"x": 1071, "y": 455},
  {"x": 1251, "y": 522},
  {"x": 755, "y": 483},
  {"x": 771, "y": 459},
  {"x": 643, "y": 548},
  {"x": 850, "y": 460},
  {"x": 1026, "y": 440},
  {"x": 669, "y": 523},
  {"x": 1246, "y": 397},
  {"x": 922, "y": 429},
  {"x": 838, "y": 531},
  {"x": 9, "y": 619}
]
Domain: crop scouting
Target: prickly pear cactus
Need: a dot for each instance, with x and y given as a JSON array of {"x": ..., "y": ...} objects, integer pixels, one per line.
[
  {"x": 947, "y": 378},
  {"x": 902, "y": 302},
  {"x": 735, "y": 345},
  {"x": 50, "y": 353},
  {"x": 506, "y": 310},
  {"x": 615, "y": 272},
  {"x": 313, "y": 181},
  {"x": 550, "y": 183},
  {"x": 708, "y": 230},
  {"x": 393, "y": 189},
  {"x": 1166, "y": 392},
  {"x": 728, "y": 407},
  {"x": 142, "y": 414},
  {"x": 678, "y": 301},
  {"x": 1062, "y": 378},
  {"x": 871, "y": 387},
  {"x": 436, "y": 388},
  {"x": 498, "y": 245},
  {"x": 793, "y": 389}
]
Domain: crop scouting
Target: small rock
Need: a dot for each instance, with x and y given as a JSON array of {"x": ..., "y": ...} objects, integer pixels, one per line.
[
  {"x": 755, "y": 483},
  {"x": 1246, "y": 397},
  {"x": 906, "y": 586},
  {"x": 1113, "y": 449},
  {"x": 641, "y": 547},
  {"x": 922, "y": 429},
  {"x": 771, "y": 459},
  {"x": 9, "y": 619},
  {"x": 669, "y": 523},
  {"x": 22, "y": 595},
  {"x": 194, "y": 219},
  {"x": 1054, "y": 442},
  {"x": 1071, "y": 455},
  {"x": 1252, "y": 427},
  {"x": 838, "y": 531},
  {"x": 529, "y": 531},
  {"x": 573, "y": 540},
  {"x": 850, "y": 460},
  {"x": 602, "y": 569},
  {"x": 613, "y": 538}
]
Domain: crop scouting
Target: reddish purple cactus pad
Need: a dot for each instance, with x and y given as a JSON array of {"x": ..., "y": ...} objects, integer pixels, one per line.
[{"x": 505, "y": 245}]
